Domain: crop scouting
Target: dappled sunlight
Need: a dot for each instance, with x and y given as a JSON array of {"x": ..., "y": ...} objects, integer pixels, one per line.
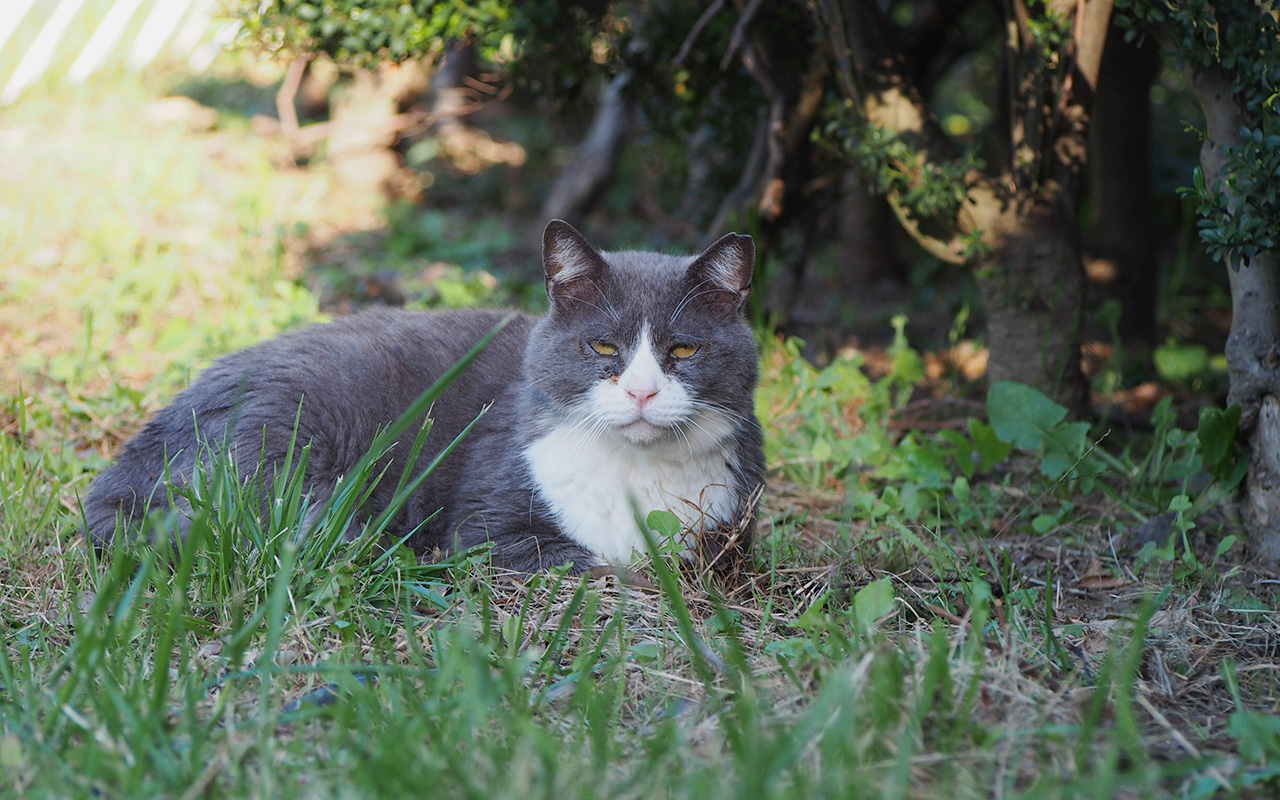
[
  {"x": 472, "y": 150},
  {"x": 143, "y": 238}
]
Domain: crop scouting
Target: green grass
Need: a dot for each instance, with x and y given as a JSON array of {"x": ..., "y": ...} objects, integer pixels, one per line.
[{"x": 929, "y": 612}]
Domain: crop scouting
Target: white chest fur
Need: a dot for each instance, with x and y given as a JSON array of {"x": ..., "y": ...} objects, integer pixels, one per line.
[{"x": 591, "y": 482}]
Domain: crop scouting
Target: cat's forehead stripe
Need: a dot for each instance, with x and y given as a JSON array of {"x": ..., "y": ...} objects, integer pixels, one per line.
[
  {"x": 643, "y": 369},
  {"x": 644, "y": 339},
  {"x": 643, "y": 350}
]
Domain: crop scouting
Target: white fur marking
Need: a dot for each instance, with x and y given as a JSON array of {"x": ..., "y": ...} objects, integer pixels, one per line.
[
  {"x": 591, "y": 482},
  {"x": 570, "y": 259},
  {"x": 643, "y": 378},
  {"x": 663, "y": 452},
  {"x": 723, "y": 270}
]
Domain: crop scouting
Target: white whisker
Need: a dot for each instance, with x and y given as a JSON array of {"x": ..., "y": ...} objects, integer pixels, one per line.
[
  {"x": 606, "y": 311},
  {"x": 684, "y": 301}
]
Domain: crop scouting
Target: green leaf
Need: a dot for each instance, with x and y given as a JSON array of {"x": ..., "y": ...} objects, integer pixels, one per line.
[
  {"x": 1163, "y": 417},
  {"x": 11, "y": 753},
  {"x": 1180, "y": 362},
  {"x": 1226, "y": 544},
  {"x": 908, "y": 367},
  {"x": 1217, "y": 434},
  {"x": 988, "y": 445},
  {"x": 1063, "y": 449},
  {"x": 176, "y": 334},
  {"x": 1022, "y": 416},
  {"x": 1044, "y": 523},
  {"x": 813, "y": 615},
  {"x": 1258, "y": 734},
  {"x": 875, "y": 600},
  {"x": 664, "y": 523},
  {"x": 645, "y": 651}
]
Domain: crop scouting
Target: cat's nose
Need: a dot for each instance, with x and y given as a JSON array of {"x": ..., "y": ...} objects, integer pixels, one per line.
[{"x": 642, "y": 396}]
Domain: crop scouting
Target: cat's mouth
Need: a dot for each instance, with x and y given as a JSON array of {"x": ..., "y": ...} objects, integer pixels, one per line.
[{"x": 642, "y": 431}]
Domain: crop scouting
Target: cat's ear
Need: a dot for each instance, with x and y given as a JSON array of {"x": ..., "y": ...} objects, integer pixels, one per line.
[
  {"x": 725, "y": 268},
  {"x": 571, "y": 264}
]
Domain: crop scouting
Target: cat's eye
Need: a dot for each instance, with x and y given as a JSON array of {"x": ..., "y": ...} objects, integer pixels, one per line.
[
  {"x": 684, "y": 350},
  {"x": 604, "y": 348}
]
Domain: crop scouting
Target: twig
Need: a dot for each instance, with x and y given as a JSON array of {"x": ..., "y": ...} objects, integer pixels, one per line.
[
  {"x": 745, "y": 188},
  {"x": 842, "y": 52},
  {"x": 1060, "y": 479},
  {"x": 394, "y": 124},
  {"x": 1072, "y": 114},
  {"x": 703, "y": 20},
  {"x": 945, "y": 614},
  {"x": 288, "y": 93},
  {"x": 480, "y": 86},
  {"x": 770, "y": 180},
  {"x": 739, "y": 31}
]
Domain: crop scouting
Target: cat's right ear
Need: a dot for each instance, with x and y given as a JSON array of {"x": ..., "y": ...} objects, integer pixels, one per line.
[
  {"x": 571, "y": 264},
  {"x": 723, "y": 273}
]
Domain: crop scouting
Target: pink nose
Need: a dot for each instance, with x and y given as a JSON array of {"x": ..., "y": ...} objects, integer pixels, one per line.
[{"x": 642, "y": 396}]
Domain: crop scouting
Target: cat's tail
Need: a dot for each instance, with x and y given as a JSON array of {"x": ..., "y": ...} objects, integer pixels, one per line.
[
  {"x": 116, "y": 505},
  {"x": 122, "y": 497}
]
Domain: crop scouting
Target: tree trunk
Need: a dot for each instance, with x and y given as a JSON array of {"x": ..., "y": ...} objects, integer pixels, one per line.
[
  {"x": 581, "y": 183},
  {"x": 1032, "y": 288},
  {"x": 865, "y": 250},
  {"x": 1025, "y": 215},
  {"x": 451, "y": 100},
  {"x": 1253, "y": 345},
  {"x": 1121, "y": 238}
]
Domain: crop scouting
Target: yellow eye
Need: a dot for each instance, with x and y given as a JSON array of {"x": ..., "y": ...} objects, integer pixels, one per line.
[
  {"x": 604, "y": 348},
  {"x": 684, "y": 350}
]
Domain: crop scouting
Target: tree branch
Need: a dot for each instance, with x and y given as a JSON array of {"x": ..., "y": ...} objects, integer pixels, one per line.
[
  {"x": 771, "y": 195},
  {"x": 703, "y": 20},
  {"x": 286, "y": 110},
  {"x": 1075, "y": 106},
  {"x": 875, "y": 77},
  {"x": 748, "y": 182},
  {"x": 740, "y": 30}
]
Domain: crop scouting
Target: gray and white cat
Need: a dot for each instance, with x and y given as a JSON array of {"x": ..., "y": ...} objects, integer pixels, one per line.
[{"x": 636, "y": 388}]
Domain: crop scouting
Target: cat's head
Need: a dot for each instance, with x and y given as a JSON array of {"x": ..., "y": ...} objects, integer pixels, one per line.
[{"x": 645, "y": 346}]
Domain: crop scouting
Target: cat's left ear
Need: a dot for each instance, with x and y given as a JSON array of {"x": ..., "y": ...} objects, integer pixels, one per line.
[
  {"x": 727, "y": 266},
  {"x": 571, "y": 264}
]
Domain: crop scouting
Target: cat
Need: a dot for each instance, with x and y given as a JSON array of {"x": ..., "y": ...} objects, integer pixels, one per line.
[{"x": 634, "y": 392}]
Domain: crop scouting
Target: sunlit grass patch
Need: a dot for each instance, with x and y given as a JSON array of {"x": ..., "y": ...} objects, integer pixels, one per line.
[{"x": 135, "y": 249}]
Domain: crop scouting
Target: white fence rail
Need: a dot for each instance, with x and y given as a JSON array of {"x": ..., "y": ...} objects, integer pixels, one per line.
[{"x": 39, "y": 37}]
